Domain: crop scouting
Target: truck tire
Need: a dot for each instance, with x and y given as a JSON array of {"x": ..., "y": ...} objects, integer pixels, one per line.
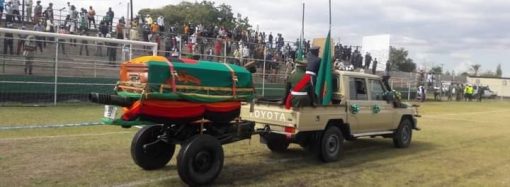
[
  {"x": 276, "y": 142},
  {"x": 331, "y": 144},
  {"x": 403, "y": 135},
  {"x": 154, "y": 156},
  {"x": 200, "y": 160}
]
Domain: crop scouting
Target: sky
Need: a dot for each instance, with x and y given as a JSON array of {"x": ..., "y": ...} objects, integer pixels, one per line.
[{"x": 454, "y": 34}]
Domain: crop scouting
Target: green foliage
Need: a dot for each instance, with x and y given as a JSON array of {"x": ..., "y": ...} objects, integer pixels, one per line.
[
  {"x": 499, "y": 72},
  {"x": 438, "y": 70},
  {"x": 205, "y": 13},
  {"x": 400, "y": 61},
  {"x": 475, "y": 68},
  {"x": 489, "y": 74}
]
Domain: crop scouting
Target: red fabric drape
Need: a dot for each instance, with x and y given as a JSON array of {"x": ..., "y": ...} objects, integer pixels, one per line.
[{"x": 298, "y": 88}]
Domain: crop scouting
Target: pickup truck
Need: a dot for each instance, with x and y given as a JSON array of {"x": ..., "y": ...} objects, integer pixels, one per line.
[{"x": 362, "y": 106}]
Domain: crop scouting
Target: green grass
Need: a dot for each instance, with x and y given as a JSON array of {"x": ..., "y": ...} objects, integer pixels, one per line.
[
  {"x": 66, "y": 114},
  {"x": 461, "y": 144}
]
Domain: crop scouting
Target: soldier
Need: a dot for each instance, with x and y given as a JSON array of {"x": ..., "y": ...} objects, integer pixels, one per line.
[
  {"x": 297, "y": 73},
  {"x": 302, "y": 93}
]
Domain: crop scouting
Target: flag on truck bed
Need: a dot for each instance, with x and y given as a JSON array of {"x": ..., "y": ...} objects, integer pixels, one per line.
[{"x": 323, "y": 90}]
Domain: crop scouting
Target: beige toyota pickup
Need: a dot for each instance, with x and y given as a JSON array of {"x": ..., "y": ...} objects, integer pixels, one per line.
[{"x": 362, "y": 107}]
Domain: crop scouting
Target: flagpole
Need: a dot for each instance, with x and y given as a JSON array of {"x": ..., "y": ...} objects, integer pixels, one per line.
[
  {"x": 303, "y": 23},
  {"x": 330, "y": 15}
]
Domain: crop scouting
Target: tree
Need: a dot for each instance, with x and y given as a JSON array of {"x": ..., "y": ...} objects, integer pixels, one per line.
[
  {"x": 499, "y": 72},
  {"x": 475, "y": 68},
  {"x": 206, "y": 13},
  {"x": 438, "y": 70},
  {"x": 399, "y": 61},
  {"x": 489, "y": 74}
]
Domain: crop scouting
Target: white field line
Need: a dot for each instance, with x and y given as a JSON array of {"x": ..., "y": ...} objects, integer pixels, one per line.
[{"x": 62, "y": 136}]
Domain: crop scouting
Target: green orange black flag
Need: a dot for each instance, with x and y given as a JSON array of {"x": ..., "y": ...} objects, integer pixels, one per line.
[{"x": 324, "y": 77}]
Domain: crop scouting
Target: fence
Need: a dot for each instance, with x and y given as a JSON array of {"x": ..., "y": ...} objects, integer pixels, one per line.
[
  {"x": 67, "y": 67},
  {"x": 54, "y": 72}
]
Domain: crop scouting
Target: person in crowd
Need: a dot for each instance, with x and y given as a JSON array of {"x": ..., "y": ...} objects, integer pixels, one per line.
[
  {"x": 119, "y": 30},
  {"x": 28, "y": 7},
  {"x": 270, "y": 40},
  {"x": 8, "y": 41},
  {"x": 133, "y": 33},
  {"x": 154, "y": 28},
  {"x": 91, "y": 16},
  {"x": 38, "y": 10},
  {"x": 451, "y": 92},
  {"x": 146, "y": 30},
  {"x": 122, "y": 20},
  {"x": 49, "y": 12},
  {"x": 68, "y": 10},
  {"x": 50, "y": 27},
  {"x": 15, "y": 10},
  {"x": 368, "y": 60},
  {"x": 84, "y": 43},
  {"x": 2, "y": 2},
  {"x": 99, "y": 45},
  {"x": 111, "y": 50},
  {"x": 28, "y": 53},
  {"x": 161, "y": 23},
  {"x": 148, "y": 19},
  {"x": 103, "y": 28},
  {"x": 83, "y": 24},
  {"x": 73, "y": 26},
  {"x": 421, "y": 93},
  {"x": 9, "y": 13},
  {"x": 61, "y": 42},
  {"x": 168, "y": 46},
  {"x": 479, "y": 93},
  {"x": 374, "y": 66},
  {"x": 39, "y": 39},
  {"x": 218, "y": 46},
  {"x": 21, "y": 41},
  {"x": 110, "y": 15}
]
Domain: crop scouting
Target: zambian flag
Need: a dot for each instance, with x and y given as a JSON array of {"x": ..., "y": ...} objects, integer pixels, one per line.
[{"x": 324, "y": 84}]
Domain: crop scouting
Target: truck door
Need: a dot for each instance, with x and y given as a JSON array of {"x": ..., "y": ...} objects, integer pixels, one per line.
[
  {"x": 358, "y": 106},
  {"x": 382, "y": 112}
]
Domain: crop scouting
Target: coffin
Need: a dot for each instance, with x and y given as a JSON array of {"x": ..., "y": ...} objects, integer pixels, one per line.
[{"x": 180, "y": 91}]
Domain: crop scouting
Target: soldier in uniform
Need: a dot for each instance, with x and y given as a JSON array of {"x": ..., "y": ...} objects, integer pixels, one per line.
[{"x": 302, "y": 93}]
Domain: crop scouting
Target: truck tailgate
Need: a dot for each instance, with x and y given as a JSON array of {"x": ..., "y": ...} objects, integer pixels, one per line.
[{"x": 269, "y": 114}]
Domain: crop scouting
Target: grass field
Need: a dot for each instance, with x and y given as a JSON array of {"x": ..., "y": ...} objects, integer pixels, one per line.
[{"x": 461, "y": 144}]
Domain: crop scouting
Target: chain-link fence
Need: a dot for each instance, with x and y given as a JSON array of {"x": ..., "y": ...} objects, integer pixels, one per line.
[
  {"x": 65, "y": 68},
  {"x": 49, "y": 68}
]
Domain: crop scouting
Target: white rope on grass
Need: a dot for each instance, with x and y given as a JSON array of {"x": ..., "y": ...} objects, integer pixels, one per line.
[
  {"x": 15, "y": 127},
  {"x": 64, "y": 136}
]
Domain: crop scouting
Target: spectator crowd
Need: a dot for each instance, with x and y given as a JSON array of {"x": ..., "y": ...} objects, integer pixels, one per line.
[{"x": 196, "y": 40}]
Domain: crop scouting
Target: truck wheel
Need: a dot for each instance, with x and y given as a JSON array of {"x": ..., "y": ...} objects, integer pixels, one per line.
[
  {"x": 147, "y": 151},
  {"x": 403, "y": 135},
  {"x": 276, "y": 142},
  {"x": 331, "y": 144},
  {"x": 200, "y": 160}
]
